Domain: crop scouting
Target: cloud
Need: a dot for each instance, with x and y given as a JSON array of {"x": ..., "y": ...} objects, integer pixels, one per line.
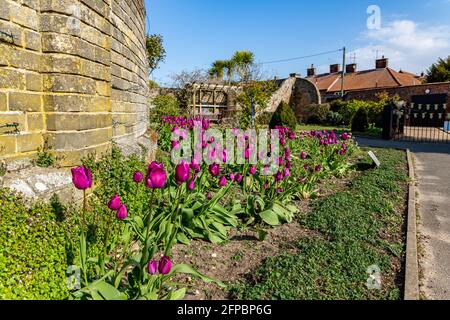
[{"x": 409, "y": 46}]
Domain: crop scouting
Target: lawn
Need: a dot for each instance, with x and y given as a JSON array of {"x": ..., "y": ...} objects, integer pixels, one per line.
[{"x": 355, "y": 228}]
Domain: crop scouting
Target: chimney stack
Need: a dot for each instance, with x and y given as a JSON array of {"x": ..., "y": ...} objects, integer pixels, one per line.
[
  {"x": 382, "y": 63},
  {"x": 311, "y": 72},
  {"x": 335, "y": 68},
  {"x": 350, "y": 68}
]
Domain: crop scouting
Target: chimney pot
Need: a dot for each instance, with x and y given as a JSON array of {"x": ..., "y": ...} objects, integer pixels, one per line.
[
  {"x": 335, "y": 68},
  {"x": 311, "y": 71},
  {"x": 294, "y": 75}
]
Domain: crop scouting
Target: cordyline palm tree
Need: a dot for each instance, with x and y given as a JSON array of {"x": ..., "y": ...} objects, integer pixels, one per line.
[
  {"x": 243, "y": 61},
  {"x": 217, "y": 69},
  {"x": 230, "y": 66}
]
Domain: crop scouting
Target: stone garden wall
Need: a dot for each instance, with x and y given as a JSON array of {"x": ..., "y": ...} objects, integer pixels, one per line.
[{"x": 73, "y": 74}]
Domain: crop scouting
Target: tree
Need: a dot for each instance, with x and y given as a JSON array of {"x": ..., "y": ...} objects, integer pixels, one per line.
[
  {"x": 218, "y": 69},
  {"x": 439, "y": 71},
  {"x": 230, "y": 66},
  {"x": 156, "y": 53},
  {"x": 243, "y": 61}
]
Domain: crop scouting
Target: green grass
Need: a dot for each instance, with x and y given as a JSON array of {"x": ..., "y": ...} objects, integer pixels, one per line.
[{"x": 360, "y": 227}]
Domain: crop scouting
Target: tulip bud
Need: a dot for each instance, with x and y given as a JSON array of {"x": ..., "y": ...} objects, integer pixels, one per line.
[
  {"x": 214, "y": 169},
  {"x": 81, "y": 178},
  {"x": 114, "y": 203},
  {"x": 165, "y": 265},
  {"x": 152, "y": 267},
  {"x": 223, "y": 181},
  {"x": 138, "y": 177},
  {"x": 122, "y": 213}
]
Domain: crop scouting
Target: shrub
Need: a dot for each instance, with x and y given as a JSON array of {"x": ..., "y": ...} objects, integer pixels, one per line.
[
  {"x": 360, "y": 121},
  {"x": 335, "y": 118},
  {"x": 316, "y": 113},
  {"x": 284, "y": 116},
  {"x": 165, "y": 105}
]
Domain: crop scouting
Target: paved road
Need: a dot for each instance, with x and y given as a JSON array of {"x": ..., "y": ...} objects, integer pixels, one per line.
[{"x": 432, "y": 167}]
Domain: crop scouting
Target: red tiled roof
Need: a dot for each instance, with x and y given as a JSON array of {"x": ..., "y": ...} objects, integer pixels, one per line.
[{"x": 368, "y": 79}]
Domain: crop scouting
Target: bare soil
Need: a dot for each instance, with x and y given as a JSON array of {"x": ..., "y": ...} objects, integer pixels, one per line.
[{"x": 236, "y": 259}]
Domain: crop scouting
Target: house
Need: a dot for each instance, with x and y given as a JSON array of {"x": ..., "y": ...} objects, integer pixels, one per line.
[{"x": 330, "y": 84}]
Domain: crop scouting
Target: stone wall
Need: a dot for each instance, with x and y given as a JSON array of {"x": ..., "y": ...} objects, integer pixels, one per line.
[
  {"x": 73, "y": 74},
  {"x": 295, "y": 91}
]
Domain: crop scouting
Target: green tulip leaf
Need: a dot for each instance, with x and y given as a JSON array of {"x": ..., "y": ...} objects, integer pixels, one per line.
[
  {"x": 177, "y": 295},
  {"x": 270, "y": 217},
  {"x": 181, "y": 237},
  {"x": 187, "y": 269}
]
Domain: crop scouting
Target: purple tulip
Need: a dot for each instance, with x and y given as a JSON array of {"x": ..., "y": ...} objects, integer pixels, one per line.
[
  {"x": 138, "y": 177},
  {"x": 81, "y": 178},
  {"x": 344, "y": 136},
  {"x": 291, "y": 135},
  {"x": 247, "y": 154},
  {"x": 279, "y": 190},
  {"x": 223, "y": 181},
  {"x": 122, "y": 212},
  {"x": 154, "y": 165},
  {"x": 252, "y": 170},
  {"x": 165, "y": 265},
  {"x": 195, "y": 166},
  {"x": 283, "y": 141},
  {"x": 266, "y": 185},
  {"x": 278, "y": 176},
  {"x": 214, "y": 169},
  {"x": 209, "y": 195},
  {"x": 152, "y": 267},
  {"x": 238, "y": 178},
  {"x": 175, "y": 145},
  {"x": 224, "y": 155},
  {"x": 303, "y": 155},
  {"x": 114, "y": 203},
  {"x": 286, "y": 172},
  {"x": 182, "y": 172},
  {"x": 318, "y": 168},
  {"x": 156, "y": 178},
  {"x": 306, "y": 167}
]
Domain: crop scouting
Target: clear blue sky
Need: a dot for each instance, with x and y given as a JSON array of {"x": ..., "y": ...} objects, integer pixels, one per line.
[{"x": 413, "y": 33}]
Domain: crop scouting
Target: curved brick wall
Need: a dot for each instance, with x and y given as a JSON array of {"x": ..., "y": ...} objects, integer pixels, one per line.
[{"x": 73, "y": 74}]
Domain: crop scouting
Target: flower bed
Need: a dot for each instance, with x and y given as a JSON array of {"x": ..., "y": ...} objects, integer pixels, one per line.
[{"x": 120, "y": 244}]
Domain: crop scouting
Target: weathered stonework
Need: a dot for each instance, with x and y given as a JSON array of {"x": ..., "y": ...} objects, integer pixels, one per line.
[{"x": 74, "y": 74}]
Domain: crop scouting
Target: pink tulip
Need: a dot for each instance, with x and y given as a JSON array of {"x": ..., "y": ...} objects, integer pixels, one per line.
[
  {"x": 224, "y": 155},
  {"x": 81, "y": 178},
  {"x": 266, "y": 185},
  {"x": 291, "y": 135},
  {"x": 223, "y": 181},
  {"x": 232, "y": 175},
  {"x": 252, "y": 170},
  {"x": 138, "y": 177},
  {"x": 152, "y": 267},
  {"x": 286, "y": 172},
  {"x": 154, "y": 165},
  {"x": 303, "y": 155},
  {"x": 114, "y": 203},
  {"x": 182, "y": 172},
  {"x": 122, "y": 212},
  {"x": 165, "y": 265},
  {"x": 238, "y": 178},
  {"x": 283, "y": 141}
]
